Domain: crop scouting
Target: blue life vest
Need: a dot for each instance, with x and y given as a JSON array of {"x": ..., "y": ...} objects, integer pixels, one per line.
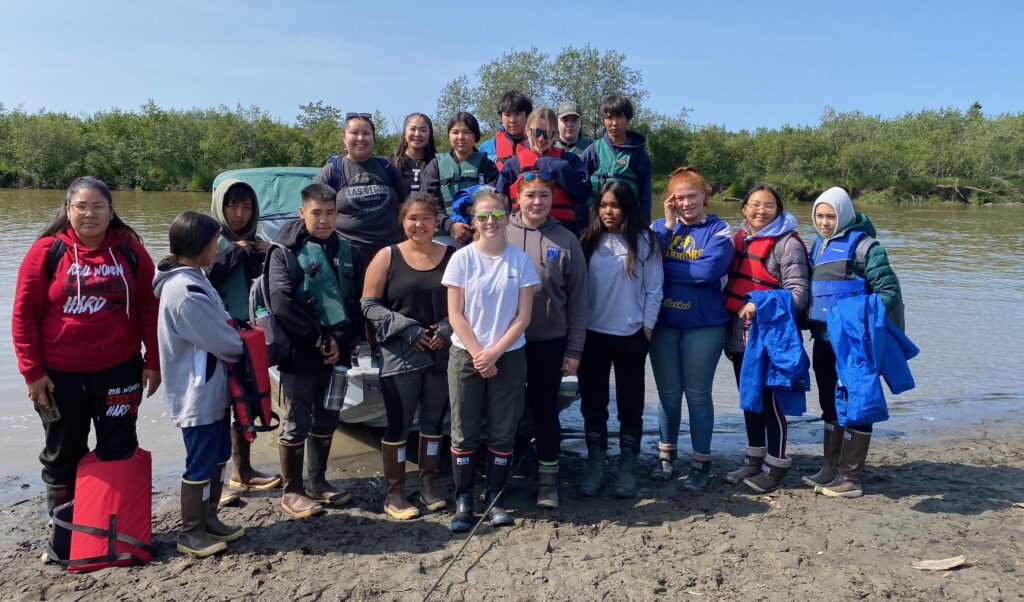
[{"x": 832, "y": 274}]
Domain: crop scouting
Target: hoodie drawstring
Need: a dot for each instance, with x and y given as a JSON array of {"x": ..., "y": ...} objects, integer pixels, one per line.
[
  {"x": 78, "y": 277},
  {"x": 127, "y": 291}
]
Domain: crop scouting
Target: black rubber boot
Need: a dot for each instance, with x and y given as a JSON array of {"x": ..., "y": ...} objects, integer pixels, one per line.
[
  {"x": 700, "y": 474},
  {"x": 463, "y": 474},
  {"x": 625, "y": 478},
  {"x": 499, "y": 471},
  {"x": 593, "y": 479}
]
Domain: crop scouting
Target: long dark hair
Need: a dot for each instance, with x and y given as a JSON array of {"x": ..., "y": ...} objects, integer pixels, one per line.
[
  {"x": 60, "y": 219},
  {"x": 428, "y": 153},
  {"x": 633, "y": 226}
]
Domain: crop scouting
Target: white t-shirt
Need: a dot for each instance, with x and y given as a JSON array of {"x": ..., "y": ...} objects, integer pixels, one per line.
[{"x": 491, "y": 285}]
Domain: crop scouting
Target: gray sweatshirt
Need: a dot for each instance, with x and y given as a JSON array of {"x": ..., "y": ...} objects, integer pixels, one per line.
[
  {"x": 560, "y": 306},
  {"x": 195, "y": 341},
  {"x": 620, "y": 305}
]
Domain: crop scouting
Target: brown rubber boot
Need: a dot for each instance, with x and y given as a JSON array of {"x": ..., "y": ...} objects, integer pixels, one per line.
[
  {"x": 395, "y": 502},
  {"x": 193, "y": 538},
  {"x": 753, "y": 458},
  {"x": 665, "y": 469},
  {"x": 243, "y": 475},
  {"x": 430, "y": 462},
  {"x": 851, "y": 463},
  {"x": 318, "y": 447},
  {"x": 547, "y": 492},
  {"x": 217, "y": 530},
  {"x": 833, "y": 444},
  {"x": 294, "y": 501},
  {"x": 771, "y": 475}
]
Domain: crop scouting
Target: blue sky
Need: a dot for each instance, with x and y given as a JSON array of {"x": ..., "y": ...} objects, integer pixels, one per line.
[{"x": 732, "y": 63}]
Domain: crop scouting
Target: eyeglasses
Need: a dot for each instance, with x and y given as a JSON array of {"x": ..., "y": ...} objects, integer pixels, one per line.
[
  {"x": 529, "y": 176},
  {"x": 768, "y": 208},
  {"x": 497, "y": 214},
  {"x": 82, "y": 209},
  {"x": 365, "y": 116},
  {"x": 539, "y": 133}
]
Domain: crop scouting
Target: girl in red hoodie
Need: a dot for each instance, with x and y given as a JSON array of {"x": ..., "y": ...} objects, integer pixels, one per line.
[{"x": 83, "y": 308}]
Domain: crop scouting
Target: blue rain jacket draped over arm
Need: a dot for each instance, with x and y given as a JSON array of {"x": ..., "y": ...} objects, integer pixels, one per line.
[
  {"x": 774, "y": 357},
  {"x": 868, "y": 347}
]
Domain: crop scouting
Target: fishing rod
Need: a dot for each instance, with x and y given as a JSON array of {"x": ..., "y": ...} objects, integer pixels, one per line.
[{"x": 479, "y": 522}]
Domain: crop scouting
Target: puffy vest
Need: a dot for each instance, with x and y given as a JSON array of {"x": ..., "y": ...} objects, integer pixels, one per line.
[
  {"x": 455, "y": 176},
  {"x": 613, "y": 165},
  {"x": 235, "y": 288},
  {"x": 562, "y": 207},
  {"x": 328, "y": 283},
  {"x": 749, "y": 269},
  {"x": 504, "y": 148},
  {"x": 832, "y": 274}
]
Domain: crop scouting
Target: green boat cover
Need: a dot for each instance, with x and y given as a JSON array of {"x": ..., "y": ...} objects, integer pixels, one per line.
[{"x": 277, "y": 188}]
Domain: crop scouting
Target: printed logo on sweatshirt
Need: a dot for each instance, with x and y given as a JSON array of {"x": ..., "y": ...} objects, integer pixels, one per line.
[
  {"x": 683, "y": 248},
  {"x": 122, "y": 401},
  {"x": 675, "y": 303},
  {"x": 552, "y": 253},
  {"x": 84, "y": 305}
]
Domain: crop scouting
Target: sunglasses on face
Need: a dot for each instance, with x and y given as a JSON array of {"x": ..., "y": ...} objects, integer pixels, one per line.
[
  {"x": 538, "y": 133},
  {"x": 497, "y": 214}
]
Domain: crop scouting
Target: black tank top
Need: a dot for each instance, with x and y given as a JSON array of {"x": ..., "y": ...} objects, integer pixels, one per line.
[{"x": 417, "y": 294}]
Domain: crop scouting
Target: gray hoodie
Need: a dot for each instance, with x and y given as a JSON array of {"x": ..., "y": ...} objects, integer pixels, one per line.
[
  {"x": 195, "y": 341},
  {"x": 560, "y": 306}
]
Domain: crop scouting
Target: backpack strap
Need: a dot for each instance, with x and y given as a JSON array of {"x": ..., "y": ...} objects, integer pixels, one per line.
[
  {"x": 112, "y": 537},
  {"x": 338, "y": 180}
]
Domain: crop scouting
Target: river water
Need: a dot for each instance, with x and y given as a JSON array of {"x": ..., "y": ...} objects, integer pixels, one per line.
[{"x": 961, "y": 269}]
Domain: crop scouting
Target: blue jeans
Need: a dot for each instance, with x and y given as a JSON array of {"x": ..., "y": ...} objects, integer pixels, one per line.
[
  {"x": 684, "y": 361},
  {"x": 206, "y": 446}
]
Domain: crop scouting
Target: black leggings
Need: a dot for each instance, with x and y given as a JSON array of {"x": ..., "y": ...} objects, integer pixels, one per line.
[
  {"x": 543, "y": 380},
  {"x": 825, "y": 376},
  {"x": 628, "y": 355},
  {"x": 107, "y": 398},
  {"x": 404, "y": 394},
  {"x": 769, "y": 427}
]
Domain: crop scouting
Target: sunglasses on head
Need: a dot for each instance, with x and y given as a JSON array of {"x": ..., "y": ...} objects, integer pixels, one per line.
[
  {"x": 497, "y": 214},
  {"x": 365, "y": 116},
  {"x": 529, "y": 176},
  {"x": 539, "y": 133}
]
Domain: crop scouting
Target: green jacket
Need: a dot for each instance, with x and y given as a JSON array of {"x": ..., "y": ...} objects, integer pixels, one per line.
[{"x": 871, "y": 263}]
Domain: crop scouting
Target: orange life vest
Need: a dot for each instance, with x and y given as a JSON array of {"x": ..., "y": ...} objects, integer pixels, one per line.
[
  {"x": 504, "y": 148},
  {"x": 562, "y": 208},
  {"x": 749, "y": 269}
]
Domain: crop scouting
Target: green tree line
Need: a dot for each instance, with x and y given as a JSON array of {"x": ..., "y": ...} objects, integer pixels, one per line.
[{"x": 944, "y": 153}]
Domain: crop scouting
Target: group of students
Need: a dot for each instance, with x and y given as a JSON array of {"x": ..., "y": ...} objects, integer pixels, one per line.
[{"x": 558, "y": 270}]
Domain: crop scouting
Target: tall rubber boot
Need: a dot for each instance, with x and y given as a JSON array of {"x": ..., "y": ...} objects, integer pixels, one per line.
[
  {"x": 753, "y": 459},
  {"x": 664, "y": 470},
  {"x": 395, "y": 502},
  {"x": 430, "y": 467},
  {"x": 294, "y": 501},
  {"x": 463, "y": 473},
  {"x": 547, "y": 490},
  {"x": 217, "y": 530},
  {"x": 318, "y": 447},
  {"x": 851, "y": 463},
  {"x": 625, "y": 478},
  {"x": 593, "y": 478},
  {"x": 770, "y": 478},
  {"x": 193, "y": 538},
  {"x": 243, "y": 475},
  {"x": 58, "y": 495},
  {"x": 832, "y": 444},
  {"x": 499, "y": 472},
  {"x": 700, "y": 473}
]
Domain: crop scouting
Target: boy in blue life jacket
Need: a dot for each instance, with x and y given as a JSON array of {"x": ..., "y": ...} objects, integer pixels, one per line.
[
  {"x": 314, "y": 284},
  {"x": 513, "y": 108},
  {"x": 620, "y": 154},
  {"x": 238, "y": 261}
]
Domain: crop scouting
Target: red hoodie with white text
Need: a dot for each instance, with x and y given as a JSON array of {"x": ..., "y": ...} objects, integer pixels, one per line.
[{"x": 95, "y": 313}]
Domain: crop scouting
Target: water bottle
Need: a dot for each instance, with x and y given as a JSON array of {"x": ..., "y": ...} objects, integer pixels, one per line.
[{"x": 334, "y": 399}]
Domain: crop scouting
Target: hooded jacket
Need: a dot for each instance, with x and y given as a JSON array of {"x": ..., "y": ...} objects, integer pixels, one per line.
[
  {"x": 568, "y": 170},
  {"x": 868, "y": 346},
  {"x": 94, "y": 314},
  {"x": 233, "y": 265},
  {"x": 871, "y": 262},
  {"x": 774, "y": 358},
  {"x": 303, "y": 327},
  {"x": 560, "y": 305},
  {"x": 196, "y": 344},
  {"x": 787, "y": 262},
  {"x": 639, "y": 164},
  {"x": 696, "y": 261}
]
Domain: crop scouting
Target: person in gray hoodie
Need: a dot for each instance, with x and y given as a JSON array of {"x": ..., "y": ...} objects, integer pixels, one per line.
[
  {"x": 554, "y": 339},
  {"x": 196, "y": 342}
]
